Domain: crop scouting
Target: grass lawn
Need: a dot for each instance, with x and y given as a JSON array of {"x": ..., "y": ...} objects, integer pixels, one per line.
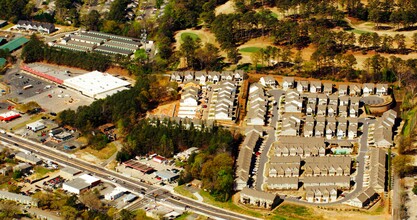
[
  {"x": 183, "y": 216},
  {"x": 41, "y": 171},
  {"x": 7, "y": 26},
  {"x": 183, "y": 191},
  {"x": 290, "y": 211},
  {"x": 274, "y": 15},
  {"x": 192, "y": 35},
  {"x": 229, "y": 205},
  {"x": 104, "y": 153},
  {"x": 356, "y": 31},
  {"x": 406, "y": 127},
  {"x": 250, "y": 49}
]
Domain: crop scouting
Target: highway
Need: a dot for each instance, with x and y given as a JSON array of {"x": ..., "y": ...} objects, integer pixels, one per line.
[{"x": 129, "y": 183}]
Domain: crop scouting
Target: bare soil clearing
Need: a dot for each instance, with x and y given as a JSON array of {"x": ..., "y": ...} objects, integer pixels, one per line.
[{"x": 226, "y": 8}]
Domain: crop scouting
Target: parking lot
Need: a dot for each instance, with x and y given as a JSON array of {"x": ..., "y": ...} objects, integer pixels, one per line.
[{"x": 49, "y": 96}]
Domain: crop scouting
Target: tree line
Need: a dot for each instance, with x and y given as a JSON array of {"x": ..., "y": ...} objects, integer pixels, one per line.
[{"x": 36, "y": 51}]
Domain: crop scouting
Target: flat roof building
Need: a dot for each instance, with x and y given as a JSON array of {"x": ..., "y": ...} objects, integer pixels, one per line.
[
  {"x": 36, "y": 126},
  {"x": 96, "y": 84},
  {"x": 167, "y": 175},
  {"x": 27, "y": 200},
  {"x": 28, "y": 158},
  {"x": 69, "y": 172}
]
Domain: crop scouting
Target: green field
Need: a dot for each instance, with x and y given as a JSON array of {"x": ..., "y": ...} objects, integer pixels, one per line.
[
  {"x": 192, "y": 35},
  {"x": 356, "y": 31},
  {"x": 250, "y": 49},
  {"x": 183, "y": 191}
]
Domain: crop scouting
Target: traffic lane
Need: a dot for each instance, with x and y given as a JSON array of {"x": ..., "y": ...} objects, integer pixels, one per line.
[{"x": 204, "y": 208}]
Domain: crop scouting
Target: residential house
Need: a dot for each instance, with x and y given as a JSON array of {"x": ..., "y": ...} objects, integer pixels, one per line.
[
  {"x": 353, "y": 130},
  {"x": 355, "y": 90},
  {"x": 258, "y": 198},
  {"x": 290, "y": 125},
  {"x": 344, "y": 101},
  {"x": 322, "y": 99},
  {"x": 200, "y": 77},
  {"x": 321, "y": 194},
  {"x": 354, "y": 111},
  {"x": 177, "y": 77},
  {"x": 293, "y": 102},
  {"x": 333, "y": 99},
  {"x": 321, "y": 110},
  {"x": 299, "y": 146},
  {"x": 343, "y": 90},
  {"x": 268, "y": 81},
  {"x": 282, "y": 183},
  {"x": 312, "y": 98},
  {"x": 327, "y": 166},
  {"x": 227, "y": 75},
  {"x": 331, "y": 110},
  {"x": 341, "y": 182},
  {"x": 364, "y": 199},
  {"x": 383, "y": 132},
  {"x": 343, "y": 110},
  {"x": 36, "y": 26},
  {"x": 238, "y": 76},
  {"x": 320, "y": 127},
  {"x": 188, "y": 76},
  {"x": 288, "y": 83},
  {"x": 328, "y": 88},
  {"x": 311, "y": 109},
  {"x": 244, "y": 160},
  {"x": 189, "y": 102},
  {"x": 284, "y": 166},
  {"x": 355, "y": 101},
  {"x": 315, "y": 87},
  {"x": 330, "y": 128},
  {"x": 378, "y": 170},
  {"x": 213, "y": 77},
  {"x": 368, "y": 89},
  {"x": 302, "y": 86},
  {"x": 381, "y": 89}
]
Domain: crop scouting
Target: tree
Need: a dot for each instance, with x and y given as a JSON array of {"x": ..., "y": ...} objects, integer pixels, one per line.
[
  {"x": 414, "y": 38},
  {"x": 91, "y": 200},
  {"x": 209, "y": 57},
  {"x": 126, "y": 215},
  {"x": 69, "y": 213},
  {"x": 8, "y": 209},
  {"x": 188, "y": 50},
  {"x": 298, "y": 61},
  {"x": 31, "y": 106},
  {"x": 255, "y": 57},
  {"x": 400, "y": 41},
  {"x": 415, "y": 189},
  {"x": 92, "y": 20},
  {"x": 402, "y": 164}
]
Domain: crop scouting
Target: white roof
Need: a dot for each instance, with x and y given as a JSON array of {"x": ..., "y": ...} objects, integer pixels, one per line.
[
  {"x": 9, "y": 114},
  {"x": 36, "y": 124},
  {"x": 95, "y": 83},
  {"x": 88, "y": 178}
]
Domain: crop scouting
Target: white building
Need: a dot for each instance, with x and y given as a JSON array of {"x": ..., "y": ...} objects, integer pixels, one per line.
[
  {"x": 115, "y": 194},
  {"x": 96, "y": 84},
  {"x": 36, "y": 126}
]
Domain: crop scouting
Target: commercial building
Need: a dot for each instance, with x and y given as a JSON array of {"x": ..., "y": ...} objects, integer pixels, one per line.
[
  {"x": 115, "y": 194},
  {"x": 36, "y": 126},
  {"x": 28, "y": 158},
  {"x": 69, "y": 173},
  {"x": 96, "y": 84},
  {"x": 167, "y": 175},
  {"x": 26, "y": 200},
  {"x": 80, "y": 184},
  {"x": 8, "y": 116}
]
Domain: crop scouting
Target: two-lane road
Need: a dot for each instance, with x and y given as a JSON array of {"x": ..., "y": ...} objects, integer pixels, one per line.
[{"x": 129, "y": 183}]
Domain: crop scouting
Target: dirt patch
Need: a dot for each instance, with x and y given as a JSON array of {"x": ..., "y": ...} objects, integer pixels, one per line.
[
  {"x": 226, "y": 8},
  {"x": 204, "y": 34},
  {"x": 261, "y": 42},
  {"x": 166, "y": 109}
]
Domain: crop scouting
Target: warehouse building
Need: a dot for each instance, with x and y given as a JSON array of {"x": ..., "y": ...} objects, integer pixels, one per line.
[
  {"x": 115, "y": 194},
  {"x": 69, "y": 173},
  {"x": 96, "y": 84},
  {"x": 28, "y": 158},
  {"x": 36, "y": 126},
  {"x": 80, "y": 184},
  {"x": 167, "y": 175}
]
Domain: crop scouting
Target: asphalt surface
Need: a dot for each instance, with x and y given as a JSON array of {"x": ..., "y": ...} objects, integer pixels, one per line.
[
  {"x": 264, "y": 158},
  {"x": 129, "y": 183}
]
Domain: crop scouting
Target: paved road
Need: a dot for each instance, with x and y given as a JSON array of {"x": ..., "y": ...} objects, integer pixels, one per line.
[
  {"x": 130, "y": 183},
  {"x": 264, "y": 158}
]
